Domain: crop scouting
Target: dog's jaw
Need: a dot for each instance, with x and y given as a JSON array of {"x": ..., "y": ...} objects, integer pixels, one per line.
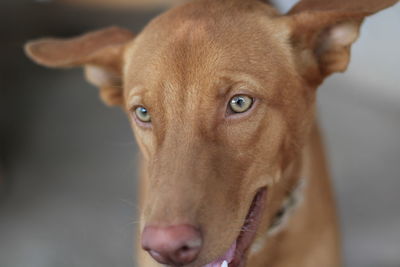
[{"x": 236, "y": 255}]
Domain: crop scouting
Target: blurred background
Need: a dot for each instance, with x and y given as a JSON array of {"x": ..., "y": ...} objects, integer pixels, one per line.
[{"x": 67, "y": 162}]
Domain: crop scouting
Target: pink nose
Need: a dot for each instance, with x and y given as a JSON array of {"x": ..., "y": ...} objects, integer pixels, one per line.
[{"x": 175, "y": 245}]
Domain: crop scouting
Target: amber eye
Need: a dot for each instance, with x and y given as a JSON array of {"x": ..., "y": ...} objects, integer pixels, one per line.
[
  {"x": 240, "y": 103},
  {"x": 143, "y": 114}
]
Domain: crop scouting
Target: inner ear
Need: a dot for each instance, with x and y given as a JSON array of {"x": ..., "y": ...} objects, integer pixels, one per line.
[
  {"x": 342, "y": 34},
  {"x": 109, "y": 83},
  {"x": 333, "y": 46}
]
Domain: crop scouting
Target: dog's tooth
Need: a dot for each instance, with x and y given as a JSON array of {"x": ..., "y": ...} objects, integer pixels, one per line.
[{"x": 224, "y": 264}]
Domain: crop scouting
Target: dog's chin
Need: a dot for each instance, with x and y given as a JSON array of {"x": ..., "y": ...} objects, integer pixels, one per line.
[{"x": 236, "y": 255}]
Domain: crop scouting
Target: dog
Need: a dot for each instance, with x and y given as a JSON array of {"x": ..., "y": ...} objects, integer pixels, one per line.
[{"x": 221, "y": 97}]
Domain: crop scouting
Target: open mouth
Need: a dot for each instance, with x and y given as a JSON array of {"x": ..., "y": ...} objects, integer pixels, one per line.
[{"x": 235, "y": 256}]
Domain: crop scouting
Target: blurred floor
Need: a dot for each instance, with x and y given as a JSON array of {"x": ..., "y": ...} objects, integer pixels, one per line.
[{"x": 70, "y": 200}]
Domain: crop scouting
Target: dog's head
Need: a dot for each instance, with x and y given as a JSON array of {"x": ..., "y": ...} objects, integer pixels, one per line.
[{"x": 220, "y": 94}]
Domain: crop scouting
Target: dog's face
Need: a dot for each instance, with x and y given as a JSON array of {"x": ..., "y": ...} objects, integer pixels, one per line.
[
  {"x": 214, "y": 107},
  {"x": 221, "y": 97}
]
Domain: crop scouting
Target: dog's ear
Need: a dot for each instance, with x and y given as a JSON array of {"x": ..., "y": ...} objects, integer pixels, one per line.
[
  {"x": 324, "y": 30},
  {"x": 99, "y": 52}
]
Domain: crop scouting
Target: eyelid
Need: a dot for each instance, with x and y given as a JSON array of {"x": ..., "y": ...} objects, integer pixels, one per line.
[
  {"x": 135, "y": 97},
  {"x": 241, "y": 91},
  {"x": 133, "y": 103}
]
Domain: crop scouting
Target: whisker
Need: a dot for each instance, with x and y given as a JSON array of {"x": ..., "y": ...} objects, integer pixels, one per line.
[{"x": 130, "y": 204}]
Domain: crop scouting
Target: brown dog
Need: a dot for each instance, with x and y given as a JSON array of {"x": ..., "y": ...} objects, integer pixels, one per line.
[{"x": 221, "y": 96}]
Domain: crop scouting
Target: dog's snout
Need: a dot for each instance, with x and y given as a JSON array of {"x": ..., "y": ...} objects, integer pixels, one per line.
[{"x": 173, "y": 245}]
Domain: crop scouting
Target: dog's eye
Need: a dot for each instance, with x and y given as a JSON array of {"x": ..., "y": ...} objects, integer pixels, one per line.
[
  {"x": 143, "y": 114},
  {"x": 240, "y": 103}
]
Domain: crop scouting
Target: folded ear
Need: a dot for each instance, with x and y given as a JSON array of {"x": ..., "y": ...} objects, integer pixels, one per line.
[
  {"x": 324, "y": 30},
  {"x": 99, "y": 52}
]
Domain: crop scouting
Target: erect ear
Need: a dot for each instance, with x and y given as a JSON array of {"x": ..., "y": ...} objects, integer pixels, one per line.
[
  {"x": 324, "y": 30},
  {"x": 99, "y": 52}
]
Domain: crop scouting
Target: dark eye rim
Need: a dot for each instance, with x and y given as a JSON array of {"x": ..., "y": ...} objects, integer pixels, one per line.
[{"x": 231, "y": 112}]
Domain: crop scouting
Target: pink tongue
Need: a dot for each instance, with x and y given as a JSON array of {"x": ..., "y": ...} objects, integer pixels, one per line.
[{"x": 229, "y": 255}]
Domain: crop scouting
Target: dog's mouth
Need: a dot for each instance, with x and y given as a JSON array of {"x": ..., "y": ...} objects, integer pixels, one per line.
[{"x": 235, "y": 256}]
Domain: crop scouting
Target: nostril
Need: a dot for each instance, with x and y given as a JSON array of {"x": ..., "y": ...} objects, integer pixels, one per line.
[
  {"x": 177, "y": 244},
  {"x": 158, "y": 257},
  {"x": 186, "y": 250},
  {"x": 186, "y": 254},
  {"x": 183, "y": 250}
]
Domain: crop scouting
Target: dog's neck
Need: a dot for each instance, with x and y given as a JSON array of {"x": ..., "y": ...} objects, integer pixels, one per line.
[
  {"x": 287, "y": 208},
  {"x": 308, "y": 204},
  {"x": 306, "y": 216},
  {"x": 283, "y": 216}
]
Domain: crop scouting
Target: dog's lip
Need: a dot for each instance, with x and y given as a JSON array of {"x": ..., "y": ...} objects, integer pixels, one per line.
[{"x": 235, "y": 256}]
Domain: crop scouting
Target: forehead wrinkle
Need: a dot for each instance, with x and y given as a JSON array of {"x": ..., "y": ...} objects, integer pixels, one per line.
[
  {"x": 189, "y": 61},
  {"x": 184, "y": 119},
  {"x": 170, "y": 114}
]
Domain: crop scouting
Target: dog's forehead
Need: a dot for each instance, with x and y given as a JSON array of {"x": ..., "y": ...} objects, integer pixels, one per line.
[{"x": 191, "y": 49}]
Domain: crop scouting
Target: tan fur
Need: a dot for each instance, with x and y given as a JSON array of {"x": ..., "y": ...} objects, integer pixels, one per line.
[{"x": 203, "y": 169}]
